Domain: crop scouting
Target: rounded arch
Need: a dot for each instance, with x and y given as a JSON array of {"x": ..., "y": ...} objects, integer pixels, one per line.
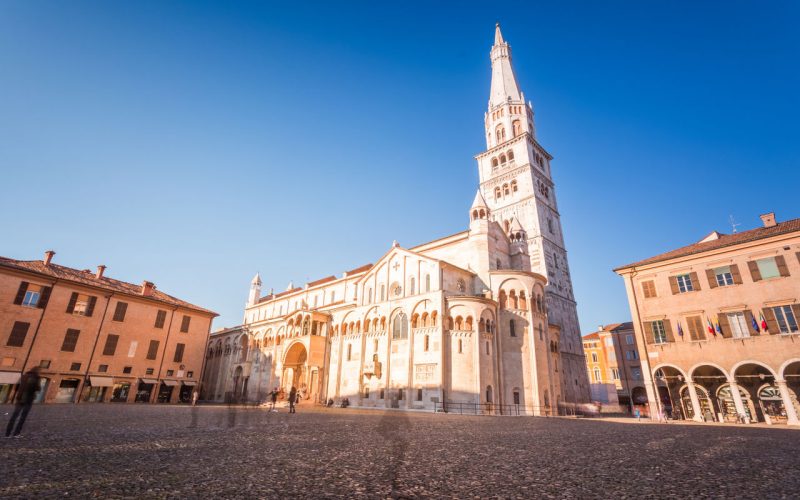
[
  {"x": 785, "y": 365},
  {"x": 671, "y": 366},
  {"x": 761, "y": 364},
  {"x": 295, "y": 353},
  {"x": 694, "y": 369}
]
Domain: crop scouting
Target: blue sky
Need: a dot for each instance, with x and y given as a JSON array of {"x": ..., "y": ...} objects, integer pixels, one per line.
[{"x": 193, "y": 144}]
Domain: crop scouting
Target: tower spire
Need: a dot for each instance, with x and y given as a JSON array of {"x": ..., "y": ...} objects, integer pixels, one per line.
[{"x": 504, "y": 81}]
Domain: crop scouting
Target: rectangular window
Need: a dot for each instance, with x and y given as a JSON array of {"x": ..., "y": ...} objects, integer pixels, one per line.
[
  {"x": 32, "y": 295},
  {"x": 152, "y": 351},
  {"x": 738, "y": 325},
  {"x": 594, "y": 357},
  {"x": 185, "y": 323},
  {"x": 81, "y": 305},
  {"x": 512, "y": 328},
  {"x": 120, "y": 310},
  {"x": 70, "y": 340},
  {"x": 132, "y": 348},
  {"x": 382, "y": 394},
  {"x": 787, "y": 323},
  {"x": 768, "y": 268},
  {"x": 149, "y": 371},
  {"x": 111, "y": 345},
  {"x": 366, "y": 392},
  {"x": 723, "y": 276},
  {"x": 609, "y": 342},
  {"x": 649, "y": 289},
  {"x": 684, "y": 283},
  {"x": 127, "y": 369},
  {"x": 629, "y": 339},
  {"x": 419, "y": 394},
  {"x": 696, "y": 329},
  {"x": 659, "y": 333},
  {"x": 179, "y": 353},
  {"x": 161, "y": 318},
  {"x": 615, "y": 373},
  {"x": 516, "y": 397},
  {"x": 190, "y": 374},
  {"x": 400, "y": 394},
  {"x": 102, "y": 368},
  {"x": 18, "y": 333},
  {"x": 75, "y": 367},
  {"x": 45, "y": 363},
  {"x": 170, "y": 373}
]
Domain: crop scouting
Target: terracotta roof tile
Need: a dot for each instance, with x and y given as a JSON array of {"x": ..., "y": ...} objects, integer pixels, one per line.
[
  {"x": 88, "y": 278},
  {"x": 365, "y": 267},
  {"x": 321, "y": 281},
  {"x": 724, "y": 240}
]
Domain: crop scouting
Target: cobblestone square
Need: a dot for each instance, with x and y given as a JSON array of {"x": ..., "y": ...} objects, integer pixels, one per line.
[{"x": 215, "y": 451}]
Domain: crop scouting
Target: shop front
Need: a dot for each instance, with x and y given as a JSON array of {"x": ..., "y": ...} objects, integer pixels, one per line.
[
  {"x": 98, "y": 387},
  {"x": 166, "y": 389},
  {"x": 144, "y": 390},
  {"x": 66, "y": 390},
  {"x": 187, "y": 388},
  {"x": 120, "y": 391},
  {"x": 7, "y": 382}
]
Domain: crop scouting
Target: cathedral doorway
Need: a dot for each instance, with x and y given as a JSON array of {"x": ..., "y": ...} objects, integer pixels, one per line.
[{"x": 295, "y": 370}]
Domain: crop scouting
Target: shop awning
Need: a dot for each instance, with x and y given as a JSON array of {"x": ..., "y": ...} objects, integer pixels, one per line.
[
  {"x": 190, "y": 383},
  {"x": 101, "y": 381},
  {"x": 9, "y": 377},
  {"x": 170, "y": 382},
  {"x": 149, "y": 381}
]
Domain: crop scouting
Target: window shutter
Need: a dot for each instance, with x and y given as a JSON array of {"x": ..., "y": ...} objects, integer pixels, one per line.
[
  {"x": 754, "y": 272},
  {"x": 70, "y": 340},
  {"x": 737, "y": 276},
  {"x": 781, "y": 263},
  {"x": 748, "y": 317},
  {"x": 90, "y": 307},
  {"x": 797, "y": 254},
  {"x": 18, "y": 334},
  {"x": 120, "y": 310},
  {"x": 23, "y": 287},
  {"x": 712, "y": 278},
  {"x": 152, "y": 350},
  {"x": 695, "y": 328},
  {"x": 695, "y": 281},
  {"x": 673, "y": 284},
  {"x": 668, "y": 330},
  {"x": 111, "y": 345},
  {"x": 45, "y": 298},
  {"x": 796, "y": 311},
  {"x": 71, "y": 305},
  {"x": 648, "y": 332},
  {"x": 185, "y": 323},
  {"x": 772, "y": 323},
  {"x": 724, "y": 325},
  {"x": 161, "y": 317},
  {"x": 179, "y": 353}
]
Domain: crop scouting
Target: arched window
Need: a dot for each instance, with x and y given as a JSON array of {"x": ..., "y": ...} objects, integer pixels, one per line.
[
  {"x": 400, "y": 326},
  {"x": 512, "y": 328},
  {"x": 487, "y": 348},
  {"x": 514, "y": 186},
  {"x": 506, "y": 190},
  {"x": 497, "y": 192},
  {"x": 460, "y": 346},
  {"x": 597, "y": 374},
  {"x": 349, "y": 351},
  {"x": 502, "y": 159},
  {"x": 523, "y": 303},
  {"x": 502, "y": 298},
  {"x": 516, "y": 396},
  {"x": 482, "y": 325},
  {"x": 369, "y": 296},
  {"x": 424, "y": 319},
  {"x": 510, "y": 155},
  {"x": 412, "y": 285},
  {"x": 512, "y": 300},
  {"x": 434, "y": 315},
  {"x": 415, "y": 321},
  {"x": 489, "y": 398},
  {"x": 517, "y": 127},
  {"x": 450, "y": 325},
  {"x": 468, "y": 323},
  {"x": 494, "y": 162},
  {"x": 426, "y": 343},
  {"x": 427, "y": 282},
  {"x": 383, "y": 293}
]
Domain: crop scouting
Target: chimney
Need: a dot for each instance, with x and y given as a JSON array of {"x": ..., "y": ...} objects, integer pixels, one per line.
[
  {"x": 600, "y": 328},
  {"x": 147, "y": 288},
  {"x": 769, "y": 220},
  {"x": 48, "y": 256},
  {"x": 100, "y": 270}
]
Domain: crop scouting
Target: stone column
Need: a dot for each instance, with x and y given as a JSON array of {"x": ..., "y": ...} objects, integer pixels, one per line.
[
  {"x": 788, "y": 403},
  {"x": 695, "y": 401},
  {"x": 737, "y": 399}
]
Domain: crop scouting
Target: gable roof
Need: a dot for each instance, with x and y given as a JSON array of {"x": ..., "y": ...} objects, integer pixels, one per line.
[
  {"x": 722, "y": 241},
  {"x": 88, "y": 278}
]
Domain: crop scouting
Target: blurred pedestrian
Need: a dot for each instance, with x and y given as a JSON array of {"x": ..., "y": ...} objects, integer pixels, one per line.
[
  {"x": 195, "y": 395},
  {"x": 274, "y": 399},
  {"x": 28, "y": 388},
  {"x": 292, "y": 399}
]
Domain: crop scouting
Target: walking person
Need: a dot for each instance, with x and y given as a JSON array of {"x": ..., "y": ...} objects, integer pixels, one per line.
[
  {"x": 292, "y": 399},
  {"x": 27, "y": 394},
  {"x": 195, "y": 395},
  {"x": 274, "y": 398}
]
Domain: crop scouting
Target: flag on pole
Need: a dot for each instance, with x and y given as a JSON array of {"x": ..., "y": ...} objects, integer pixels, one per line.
[
  {"x": 764, "y": 327},
  {"x": 716, "y": 325},
  {"x": 680, "y": 329},
  {"x": 710, "y": 327},
  {"x": 755, "y": 325}
]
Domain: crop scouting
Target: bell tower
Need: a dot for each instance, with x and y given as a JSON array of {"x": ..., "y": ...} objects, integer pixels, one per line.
[{"x": 516, "y": 183}]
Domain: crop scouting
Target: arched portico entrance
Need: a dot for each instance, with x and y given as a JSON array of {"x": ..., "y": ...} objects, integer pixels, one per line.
[
  {"x": 727, "y": 404},
  {"x": 669, "y": 380},
  {"x": 789, "y": 385},
  {"x": 708, "y": 379},
  {"x": 758, "y": 380},
  {"x": 295, "y": 369}
]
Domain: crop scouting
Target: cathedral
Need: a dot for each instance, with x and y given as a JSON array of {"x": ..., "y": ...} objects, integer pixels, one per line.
[{"x": 485, "y": 317}]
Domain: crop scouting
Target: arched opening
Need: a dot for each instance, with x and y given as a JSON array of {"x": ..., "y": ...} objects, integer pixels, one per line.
[
  {"x": 295, "y": 370},
  {"x": 708, "y": 378},
  {"x": 400, "y": 326},
  {"x": 669, "y": 381},
  {"x": 489, "y": 394},
  {"x": 759, "y": 383}
]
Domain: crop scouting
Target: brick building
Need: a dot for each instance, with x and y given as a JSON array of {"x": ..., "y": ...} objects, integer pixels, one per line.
[
  {"x": 717, "y": 325},
  {"x": 612, "y": 357},
  {"x": 95, "y": 338}
]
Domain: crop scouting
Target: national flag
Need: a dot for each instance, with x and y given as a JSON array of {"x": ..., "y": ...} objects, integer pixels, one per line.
[
  {"x": 710, "y": 327},
  {"x": 680, "y": 329},
  {"x": 755, "y": 325},
  {"x": 764, "y": 327},
  {"x": 716, "y": 325}
]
